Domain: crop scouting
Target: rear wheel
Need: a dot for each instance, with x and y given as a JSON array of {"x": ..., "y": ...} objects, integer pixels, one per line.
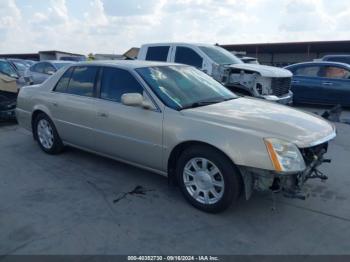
[
  {"x": 208, "y": 179},
  {"x": 46, "y": 135}
]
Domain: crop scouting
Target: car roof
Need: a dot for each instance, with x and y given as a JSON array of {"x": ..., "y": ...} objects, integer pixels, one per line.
[
  {"x": 54, "y": 61},
  {"x": 336, "y": 56},
  {"x": 130, "y": 64},
  {"x": 179, "y": 43},
  {"x": 320, "y": 63}
]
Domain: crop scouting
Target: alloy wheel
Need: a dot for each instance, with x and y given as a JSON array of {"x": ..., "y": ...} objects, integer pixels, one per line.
[
  {"x": 45, "y": 133},
  {"x": 203, "y": 180}
]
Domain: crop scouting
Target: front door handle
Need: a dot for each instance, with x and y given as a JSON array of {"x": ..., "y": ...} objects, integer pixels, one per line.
[
  {"x": 327, "y": 83},
  {"x": 102, "y": 114},
  {"x": 295, "y": 82}
]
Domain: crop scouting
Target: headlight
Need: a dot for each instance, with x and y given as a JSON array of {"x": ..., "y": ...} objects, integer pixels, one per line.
[{"x": 284, "y": 156}]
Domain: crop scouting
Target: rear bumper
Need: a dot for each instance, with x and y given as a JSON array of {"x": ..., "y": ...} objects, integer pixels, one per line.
[{"x": 286, "y": 99}]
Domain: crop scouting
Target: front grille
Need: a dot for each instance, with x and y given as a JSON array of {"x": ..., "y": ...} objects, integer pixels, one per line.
[{"x": 281, "y": 85}]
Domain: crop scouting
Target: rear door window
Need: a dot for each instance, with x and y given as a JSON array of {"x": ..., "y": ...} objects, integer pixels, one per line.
[
  {"x": 188, "y": 56},
  {"x": 157, "y": 53},
  {"x": 115, "y": 82},
  {"x": 38, "y": 68},
  {"x": 49, "y": 68},
  {"x": 82, "y": 82}
]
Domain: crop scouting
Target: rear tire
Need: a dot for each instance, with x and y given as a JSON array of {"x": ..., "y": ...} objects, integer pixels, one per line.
[
  {"x": 208, "y": 179},
  {"x": 46, "y": 135}
]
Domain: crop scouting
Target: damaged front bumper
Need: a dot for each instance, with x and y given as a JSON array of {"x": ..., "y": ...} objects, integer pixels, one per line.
[
  {"x": 290, "y": 184},
  {"x": 8, "y": 114},
  {"x": 7, "y": 107}
]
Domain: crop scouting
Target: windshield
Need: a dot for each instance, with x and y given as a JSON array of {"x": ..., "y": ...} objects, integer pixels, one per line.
[
  {"x": 181, "y": 87},
  {"x": 7, "y": 69},
  {"x": 60, "y": 65},
  {"x": 220, "y": 56},
  {"x": 21, "y": 66}
]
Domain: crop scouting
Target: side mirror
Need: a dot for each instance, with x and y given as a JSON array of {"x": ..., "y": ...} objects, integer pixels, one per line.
[{"x": 135, "y": 99}]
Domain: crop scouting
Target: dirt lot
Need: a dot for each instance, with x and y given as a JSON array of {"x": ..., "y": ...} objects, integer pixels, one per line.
[{"x": 68, "y": 204}]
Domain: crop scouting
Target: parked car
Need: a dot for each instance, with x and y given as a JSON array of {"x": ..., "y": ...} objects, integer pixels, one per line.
[
  {"x": 40, "y": 71},
  {"x": 321, "y": 83},
  {"x": 11, "y": 81},
  {"x": 179, "y": 122},
  {"x": 267, "y": 82},
  {"x": 337, "y": 58}
]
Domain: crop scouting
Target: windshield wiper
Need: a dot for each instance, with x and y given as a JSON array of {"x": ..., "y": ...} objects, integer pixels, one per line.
[{"x": 205, "y": 103}]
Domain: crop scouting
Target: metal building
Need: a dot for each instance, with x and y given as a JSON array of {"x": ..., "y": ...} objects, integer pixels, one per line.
[
  {"x": 282, "y": 54},
  {"x": 42, "y": 55}
]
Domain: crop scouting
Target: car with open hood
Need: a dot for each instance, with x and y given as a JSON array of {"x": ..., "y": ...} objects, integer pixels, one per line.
[
  {"x": 177, "y": 121},
  {"x": 266, "y": 82}
]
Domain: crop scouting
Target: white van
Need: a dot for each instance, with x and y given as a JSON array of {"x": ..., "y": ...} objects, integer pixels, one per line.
[{"x": 267, "y": 82}]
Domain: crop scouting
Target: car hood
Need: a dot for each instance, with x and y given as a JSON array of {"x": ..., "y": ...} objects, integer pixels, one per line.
[
  {"x": 266, "y": 119},
  {"x": 263, "y": 70}
]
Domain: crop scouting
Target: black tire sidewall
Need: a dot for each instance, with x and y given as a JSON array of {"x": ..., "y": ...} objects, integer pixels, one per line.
[
  {"x": 229, "y": 171},
  {"x": 57, "y": 142}
]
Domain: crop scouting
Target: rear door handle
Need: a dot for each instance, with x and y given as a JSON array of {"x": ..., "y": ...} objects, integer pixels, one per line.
[
  {"x": 295, "y": 82},
  {"x": 102, "y": 114}
]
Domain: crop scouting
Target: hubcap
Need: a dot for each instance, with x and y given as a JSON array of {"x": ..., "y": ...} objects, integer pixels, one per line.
[
  {"x": 45, "y": 133},
  {"x": 203, "y": 180}
]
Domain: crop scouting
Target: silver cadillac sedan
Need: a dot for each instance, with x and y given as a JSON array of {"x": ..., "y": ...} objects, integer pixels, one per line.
[{"x": 177, "y": 121}]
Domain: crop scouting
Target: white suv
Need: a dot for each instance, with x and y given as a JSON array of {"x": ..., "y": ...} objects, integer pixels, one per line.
[{"x": 267, "y": 82}]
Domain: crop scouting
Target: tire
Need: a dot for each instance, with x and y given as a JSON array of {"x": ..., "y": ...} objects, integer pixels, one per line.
[
  {"x": 46, "y": 135},
  {"x": 208, "y": 179}
]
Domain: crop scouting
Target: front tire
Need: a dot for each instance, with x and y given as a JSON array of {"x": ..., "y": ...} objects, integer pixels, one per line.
[
  {"x": 208, "y": 179},
  {"x": 46, "y": 135}
]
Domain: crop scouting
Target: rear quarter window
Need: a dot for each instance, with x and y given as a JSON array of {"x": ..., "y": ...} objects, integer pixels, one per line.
[
  {"x": 157, "y": 53},
  {"x": 62, "y": 84}
]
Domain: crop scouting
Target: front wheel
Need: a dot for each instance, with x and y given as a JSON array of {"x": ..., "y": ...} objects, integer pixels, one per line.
[
  {"x": 208, "y": 179},
  {"x": 46, "y": 135}
]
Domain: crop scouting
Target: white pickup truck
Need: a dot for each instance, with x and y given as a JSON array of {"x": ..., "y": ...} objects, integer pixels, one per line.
[{"x": 267, "y": 82}]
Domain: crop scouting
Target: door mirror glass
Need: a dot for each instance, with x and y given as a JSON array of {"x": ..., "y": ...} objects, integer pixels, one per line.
[{"x": 135, "y": 99}]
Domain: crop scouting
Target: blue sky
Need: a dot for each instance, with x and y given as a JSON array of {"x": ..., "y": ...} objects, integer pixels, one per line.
[{"x": 113, "y": 26}]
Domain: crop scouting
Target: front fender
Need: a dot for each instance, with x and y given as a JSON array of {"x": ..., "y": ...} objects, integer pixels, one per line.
[{"x": 242, "y": 147}]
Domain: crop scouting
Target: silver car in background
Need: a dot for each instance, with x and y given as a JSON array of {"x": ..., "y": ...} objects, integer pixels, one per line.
[
  {"x": 40, "y": 71},
  {"x": 179, "y": 122}
]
